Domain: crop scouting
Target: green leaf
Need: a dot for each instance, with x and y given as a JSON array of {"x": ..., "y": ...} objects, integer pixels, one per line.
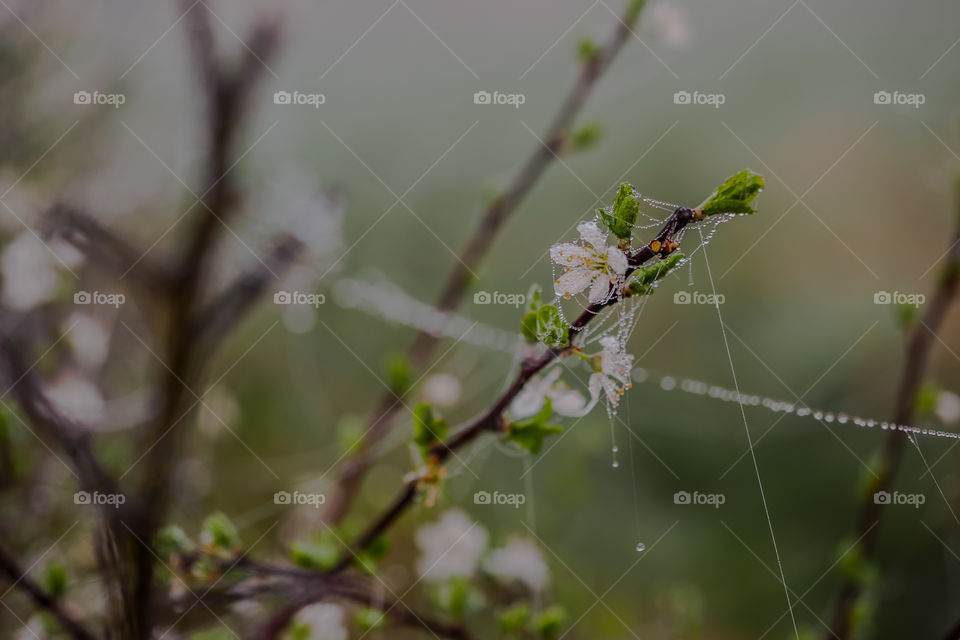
[
  {"x": 370, "y": 619},
  {"x": 399, "y": 373},
  {"x": 641, "y": 284},
  {"x": 586, "y": 137},
  {"x": 734, "y": 195},
  {"x": 633, "y": 11},
  {"x": 219, "y": 532},
  {"x": 171, "y": 541},
  {"x": 55, "y": 580},
  {"x": 427, "y": 429},
  {"x": 319, "y": 554},
  {"x": 550, "y": 621},
  {"x": 513, "y": 621},
  {"x": 586, "y": 50},
  {"x": 545, "y": 325},
  {"x": 624, "y": 214},
  {"x": 368, "y": 559},
  {"x": 456, "y": 597},
  {"x": 530, "y": 432},
  {"x": 534, "y": 297}
]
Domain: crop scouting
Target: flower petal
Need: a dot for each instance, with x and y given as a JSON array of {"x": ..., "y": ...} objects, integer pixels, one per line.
[
  {"x": 568, "y": 254},
  {"x": 592, "y": 235},
  {"x": 600, "y": 289},
  {"x": 616, "y": 261},
  {"x": 573, "y": 281}
]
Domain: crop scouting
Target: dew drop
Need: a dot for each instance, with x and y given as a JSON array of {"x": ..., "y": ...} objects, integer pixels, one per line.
[
  {"x": 641, "y": 546},
  {"x": 615, "y": 449},
  {"x": 615, "y": 464}
]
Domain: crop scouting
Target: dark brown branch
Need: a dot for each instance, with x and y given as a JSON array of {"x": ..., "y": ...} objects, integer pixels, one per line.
[
  {"x": 23, "y": 582},
  {"x": 103, "y": 247},
  {"x": 228, "y": 93},
  {"x": 491, "y": 221},
  {"x": 920, "y": 341}
]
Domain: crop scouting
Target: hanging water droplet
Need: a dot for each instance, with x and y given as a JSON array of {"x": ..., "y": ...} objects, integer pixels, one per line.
[
  {"x": 641, "y": 546},
  {"x": 615, "y": 464},
  {"x": 615, "y": 449}
]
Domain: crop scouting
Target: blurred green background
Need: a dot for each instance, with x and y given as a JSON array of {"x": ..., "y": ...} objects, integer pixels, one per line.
[{"x": 875, "y": 184}]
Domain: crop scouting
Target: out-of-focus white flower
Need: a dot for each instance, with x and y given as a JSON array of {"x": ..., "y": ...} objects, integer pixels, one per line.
[
  {"x": 948, "y": 407},
  {"x": 323, "y": 621},
  {"x": 671, "y": 22},
  {"x": 89, "y": 340},
  {"x": 219, "y": 408},
  {"x": 565, "y": 401},
  {"x": 593, "y": 265},
  {"x": 450, "y": 547},
  {"x": 614, "y": 375},
  {"x": 442, "y": 390},
  {"x": 519, "y": 560},
  {"x": 29, "y": 273},
  {"x": 78, "y": 399}
]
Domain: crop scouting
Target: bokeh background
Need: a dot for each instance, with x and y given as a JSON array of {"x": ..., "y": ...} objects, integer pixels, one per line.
[{"x": 859, "y": 199}]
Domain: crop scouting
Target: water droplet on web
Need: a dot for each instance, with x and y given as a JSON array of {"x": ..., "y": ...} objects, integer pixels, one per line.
[
  {"x": 615, "y": 449},
  {"x": 641, "y": 546},
  {"x": 615, "y": 464}
]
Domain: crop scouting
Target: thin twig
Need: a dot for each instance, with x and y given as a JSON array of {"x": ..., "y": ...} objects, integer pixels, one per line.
[
  {"x": 44, "y": 600},
  {"x": 458, "y": 282},
  {"x": 920, "y": 342}
]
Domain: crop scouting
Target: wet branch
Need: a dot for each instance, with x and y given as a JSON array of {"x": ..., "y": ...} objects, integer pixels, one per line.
[
  {"x": 491, "y": 221},
  {"x": 920, "y": 342}
]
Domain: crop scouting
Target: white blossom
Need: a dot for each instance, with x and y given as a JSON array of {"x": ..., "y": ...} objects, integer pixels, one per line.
[
  {"x": 564, "y": 400},
  {"x": 948, "y": 407},
  {"x": 442, "y": 390},
  {"x": 592, "y": 265},
  {"x": 450, "y": 547},
  {"x": 614, "y": 375},
  {"x": 323, "y": 621},
  {"x": 519, "y": 560},
  {"x": 77, "y": 398}
]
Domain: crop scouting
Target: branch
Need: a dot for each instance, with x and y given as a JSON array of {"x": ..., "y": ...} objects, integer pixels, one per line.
[
  {"x": 491, "y": 221},
  {"x": 228, "y": 94},
  {"x": 18, "y": 578},
  {"x": 919, "y": 345},
  {"x": 103, "y": 247}
]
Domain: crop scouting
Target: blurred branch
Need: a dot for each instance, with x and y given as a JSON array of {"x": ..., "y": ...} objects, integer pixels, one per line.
[
  {"x": 238, "y": 297},
  {"x": 19, "y": 579},
  {"x": 228, "y": 95},
  {"x": 103, "y": 247},
  {"x": 920, "y": 341},
  {"x": 491, "y": 221}
]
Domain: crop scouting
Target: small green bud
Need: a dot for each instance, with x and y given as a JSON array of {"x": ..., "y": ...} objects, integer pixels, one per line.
[
  {"x": 530, "y": 432},
  {"x": 550, "y": 621},
  {"x": 587, "y": 50},
  {"x": 641, "y": 284},
  {"x": 399, "y": 373},
  {"x": 586, "y": 137},
  {"x": 219, "y": 532},
  {"x": 172, "y": 540},
  {"x": 625, "y": 211},
  {"x": 513, "y": 621},
  {"x": 427, "y": 429},
  {"x": 370, "y": 619},
  {"x": 319, "y": 554},
  {"x": 55, "y": 580}
]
